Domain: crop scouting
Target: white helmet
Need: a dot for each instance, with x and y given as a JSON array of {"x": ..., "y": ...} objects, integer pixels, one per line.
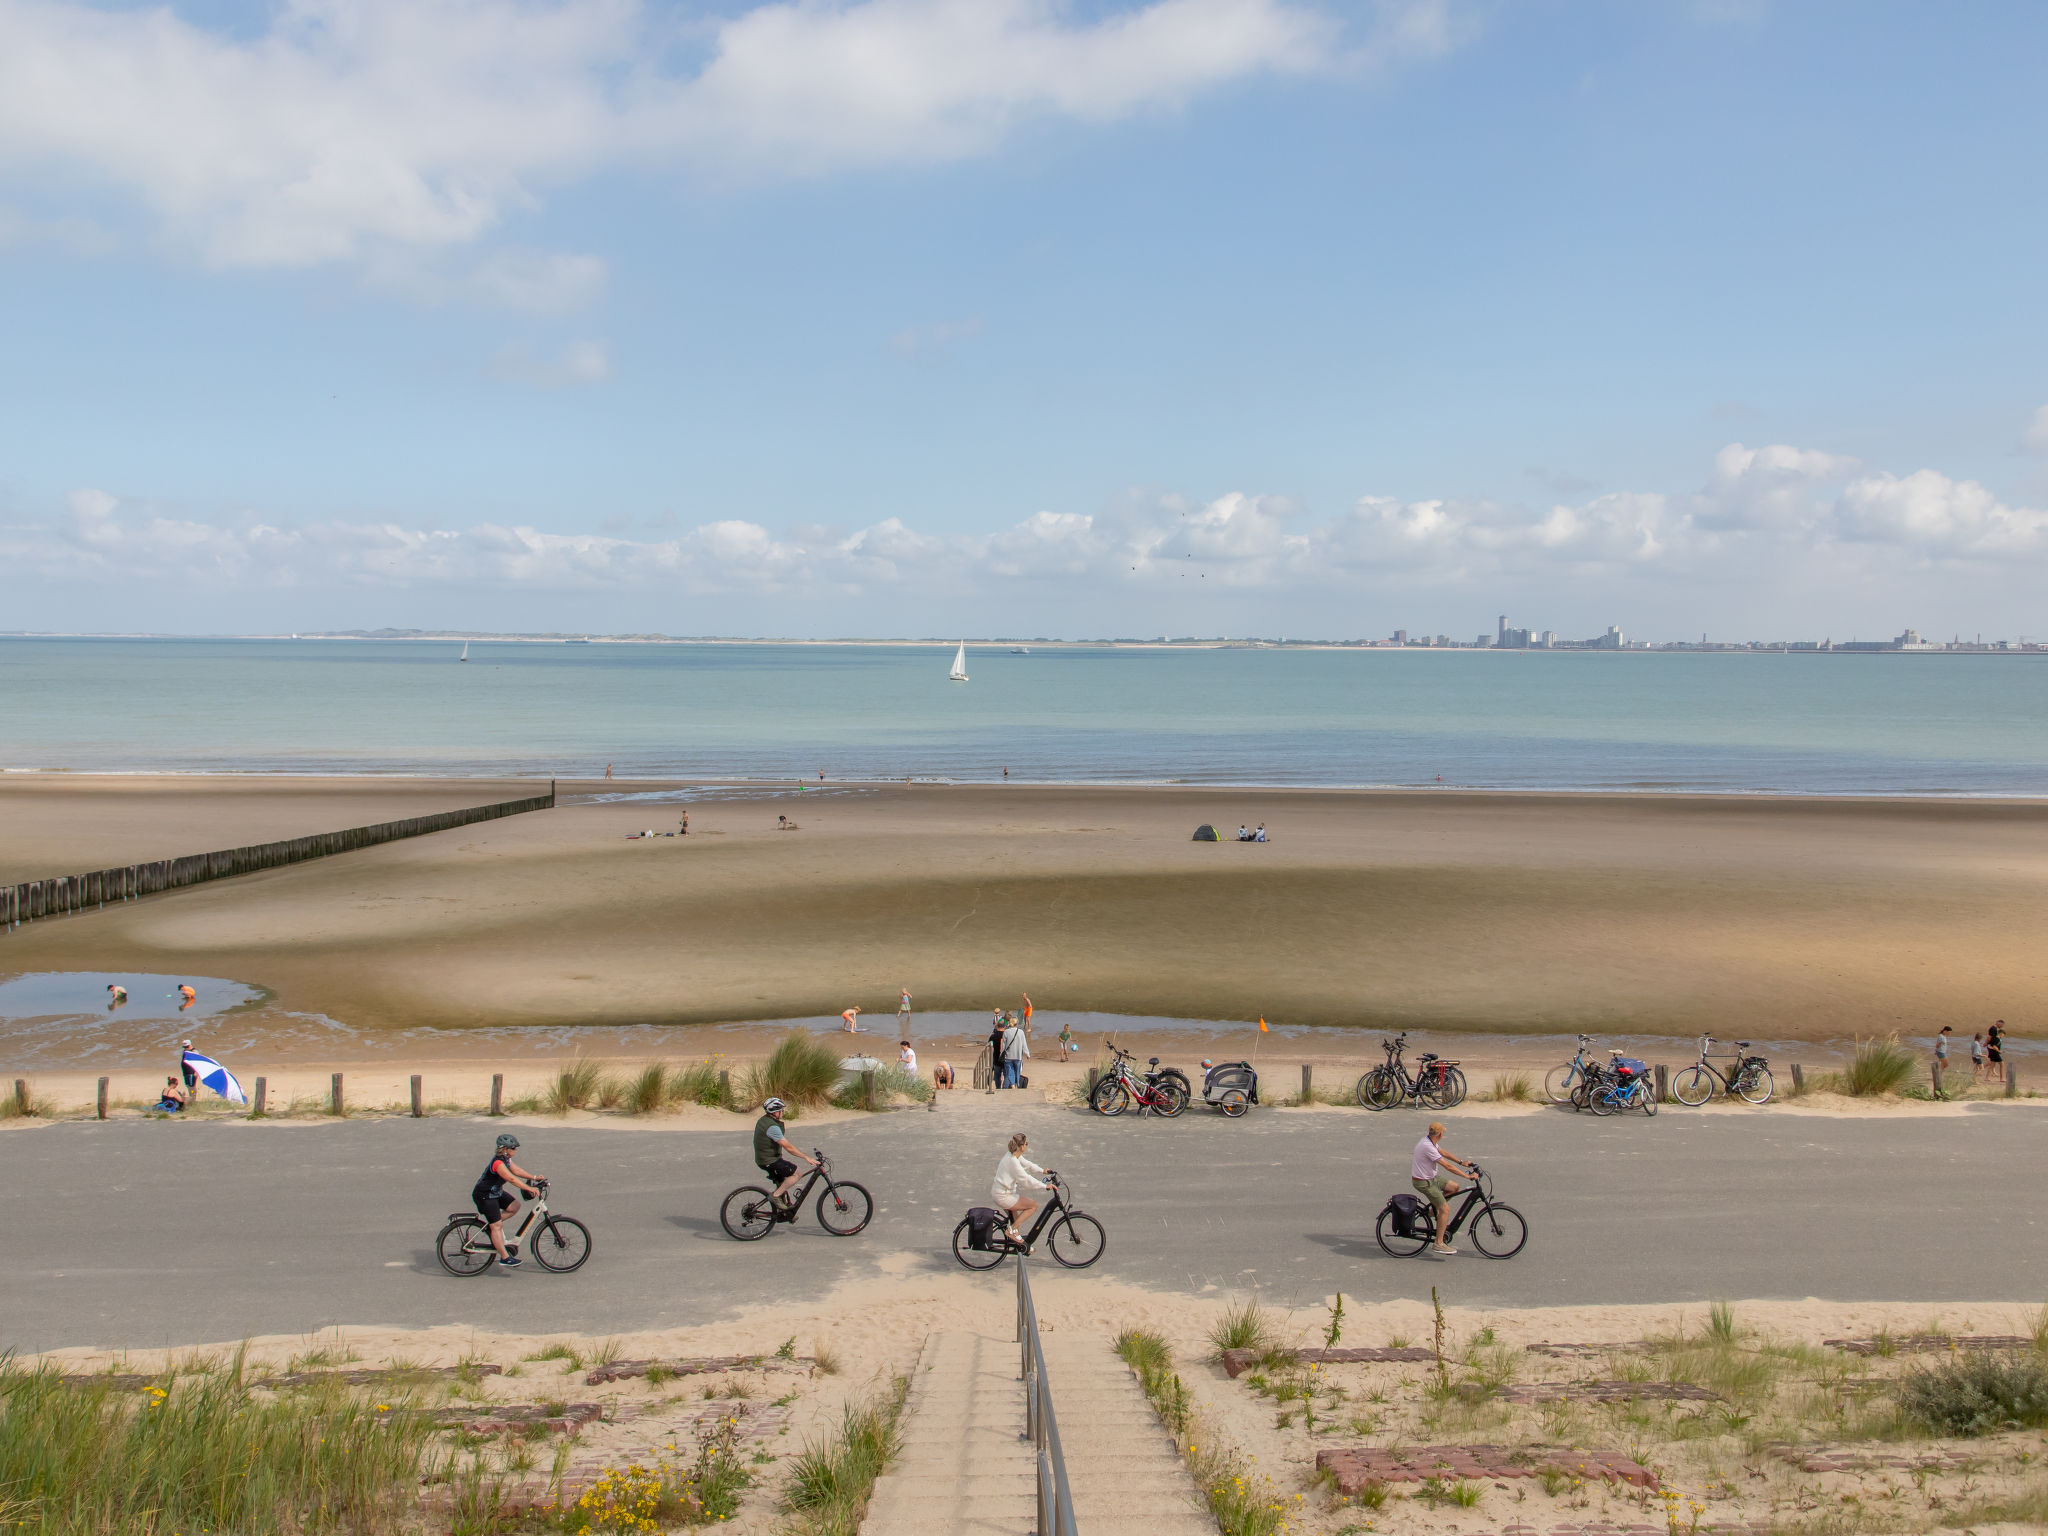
[{"x": 772, "y": 1106}]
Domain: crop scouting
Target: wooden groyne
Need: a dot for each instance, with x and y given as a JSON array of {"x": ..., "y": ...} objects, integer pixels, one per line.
[{"x": 32, "y": 899}]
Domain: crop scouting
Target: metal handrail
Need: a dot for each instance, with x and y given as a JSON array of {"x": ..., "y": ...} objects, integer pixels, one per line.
[{"x": 1041, "y": 1425}]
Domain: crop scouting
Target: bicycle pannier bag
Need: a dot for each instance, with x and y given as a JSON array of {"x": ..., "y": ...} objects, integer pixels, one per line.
[
  {"x": 981, "y": 1222},
  {"x": 1406, "y": 1209},
  {"x": 1628, "y": 1066}
]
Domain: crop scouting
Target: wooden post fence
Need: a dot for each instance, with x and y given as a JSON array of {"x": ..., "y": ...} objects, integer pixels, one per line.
[
  {"x": 335, "y": 1106},
  {"x": 417, "y": 1110},
  {"x": 21, "y": 1095},
  {"x": 1937, "y": 1077},
  {"x": 1663, "y": 1083},
  {"x": 32, "y": 899},
  {"x": 867, "y": 1089},
  {"x": 724, "y": 1087},
  {"x": 1308, "y": 1083},
  {"x": 1798, "y": 1078},
  {"x": 100, "y": 1103},
  {"x": 262, "y": 1094},
  {"x": 497, "y": 1093}
]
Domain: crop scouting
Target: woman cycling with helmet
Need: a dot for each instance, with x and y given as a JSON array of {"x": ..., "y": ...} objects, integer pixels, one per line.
[{"x": 493, "y": 1200}]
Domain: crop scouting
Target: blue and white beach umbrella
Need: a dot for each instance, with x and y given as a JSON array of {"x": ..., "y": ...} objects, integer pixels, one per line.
[{"x": 211, "y": 1074}]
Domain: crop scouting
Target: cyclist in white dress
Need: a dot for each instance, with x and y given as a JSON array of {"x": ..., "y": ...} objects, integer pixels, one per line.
[{"x": 1015, "y": 1174}]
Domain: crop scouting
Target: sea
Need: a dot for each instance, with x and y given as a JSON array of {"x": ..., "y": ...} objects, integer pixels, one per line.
[{"x": 1899, "y": 723}]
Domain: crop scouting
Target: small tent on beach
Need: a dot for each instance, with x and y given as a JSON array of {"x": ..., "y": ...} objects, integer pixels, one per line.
[{"x": 1206, "y": 834}]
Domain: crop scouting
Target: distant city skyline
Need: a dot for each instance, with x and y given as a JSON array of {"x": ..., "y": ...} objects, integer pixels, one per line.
[{"x": 1138, "y": 316}]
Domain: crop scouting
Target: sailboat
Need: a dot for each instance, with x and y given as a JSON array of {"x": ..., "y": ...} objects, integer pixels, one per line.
[
  {"x": 465, "y": 652},
  {"x": 959, "y": 672}
]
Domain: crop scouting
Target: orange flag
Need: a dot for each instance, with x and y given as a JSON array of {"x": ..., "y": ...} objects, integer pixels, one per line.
[{"x": 1262, "y": 1026}]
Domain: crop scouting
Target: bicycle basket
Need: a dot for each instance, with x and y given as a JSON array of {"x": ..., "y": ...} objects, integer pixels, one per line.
[{"x": 981, "y": 1226}]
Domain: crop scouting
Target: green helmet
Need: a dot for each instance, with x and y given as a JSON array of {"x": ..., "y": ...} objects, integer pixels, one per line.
[{"x": 507, "y": 1141}]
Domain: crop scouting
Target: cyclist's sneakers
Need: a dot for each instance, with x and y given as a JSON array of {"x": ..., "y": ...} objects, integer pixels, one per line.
[
  {"x": 1444, "y": 1252},
  {"x": 510, "y": 1263}
]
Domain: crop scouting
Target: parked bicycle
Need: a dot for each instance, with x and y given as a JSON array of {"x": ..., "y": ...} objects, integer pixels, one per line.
[
  {"x": 751, "y": 1212},
  {"x": 1749, "y": 1079},
  {"x": 1163, "y": 1092},
  {"x": 1407, "y": 1223},
  {"x": 560, "y": 1243},
  {"x": 1559, "y": 1082},
  {"x": 1436, "y": 1082},
  {"x": 1622, "y": 1084},
  {"x": 1073, "y": 1237}
]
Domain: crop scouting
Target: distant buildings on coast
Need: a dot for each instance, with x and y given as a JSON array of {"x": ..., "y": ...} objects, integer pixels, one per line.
[{"x": 1508, "y": 638}]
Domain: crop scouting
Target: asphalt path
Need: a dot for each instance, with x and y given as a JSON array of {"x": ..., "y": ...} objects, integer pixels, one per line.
[{"x": 143, "y": 1234}]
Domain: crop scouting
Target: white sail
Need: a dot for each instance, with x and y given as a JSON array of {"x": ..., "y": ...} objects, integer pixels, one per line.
[
  {"x": 465, "y": 651},
  {"x": 959, "y": 672}
]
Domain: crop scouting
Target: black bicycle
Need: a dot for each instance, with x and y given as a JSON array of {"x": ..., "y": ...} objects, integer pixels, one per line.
[
  {"x": 751, "y": 1212},
  {"x": 1076, "y": 1239},
  {"x": 1498, "y": 1231},
  {"x": 1749, "y": 1079},
  {"x": 561, "y": 1244},
  {"x": 1437, "y": 1083}
]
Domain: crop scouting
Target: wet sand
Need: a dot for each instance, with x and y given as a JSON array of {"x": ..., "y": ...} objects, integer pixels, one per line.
[{"x": 1779, "y": 919}]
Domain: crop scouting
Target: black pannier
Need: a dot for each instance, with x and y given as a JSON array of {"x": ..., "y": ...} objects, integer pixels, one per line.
[
  {"x": 1406, "y": 1209},
  {"x": 981, "y": 1226}
]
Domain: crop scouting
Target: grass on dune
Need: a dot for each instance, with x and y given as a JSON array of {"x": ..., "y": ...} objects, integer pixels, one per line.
[
  {"x": 1513, "y": 1087},
  {"x": 830, "y": 1482},
  {"x": 647, "y": 1089},
  {"x": 890, "y": 1080},
  {"x": 579, "y": 1085},
  {"x": 696, "y": 1084},
  {"x": 1879, "y": 1066},
  {"x": 1245, "y": 1325},
  {"x": 802, "y": 1071},
  {"x": 199, "y": 1453}
]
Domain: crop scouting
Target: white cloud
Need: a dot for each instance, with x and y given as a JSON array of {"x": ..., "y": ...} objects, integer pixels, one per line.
[
  {"x": 581, "y": 362},
  {"x": 1819, "y": 506},
  {"x": 350, "y": 129}
]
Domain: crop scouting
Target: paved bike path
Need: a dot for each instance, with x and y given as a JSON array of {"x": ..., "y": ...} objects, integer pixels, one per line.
[{"x": 143, "y": 1234}]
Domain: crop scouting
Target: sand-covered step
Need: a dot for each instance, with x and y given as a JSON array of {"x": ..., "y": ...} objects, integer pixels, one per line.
[
  {"x": 962, "y": 1463},
  {"x": 1126, "y": 1474}
]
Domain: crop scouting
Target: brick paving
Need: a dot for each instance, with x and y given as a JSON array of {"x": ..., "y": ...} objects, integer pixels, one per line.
[
  {"x": 621, "y": 1370},
  {"x": 1842, "y": 1458},
  {"x": 1237, "y": 1361},
  {"x": 1929, "y": 1343},
  {"x": 1626, "y": 1528},
  {"x": 1354, "y": 1467},
  {"x": 1607, "y": 1392},
  {"x": 1582, "y": 1351}
]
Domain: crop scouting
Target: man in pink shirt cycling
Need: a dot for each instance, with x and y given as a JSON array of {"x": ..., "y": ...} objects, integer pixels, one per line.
[{"x": 1433, "y": 1182}]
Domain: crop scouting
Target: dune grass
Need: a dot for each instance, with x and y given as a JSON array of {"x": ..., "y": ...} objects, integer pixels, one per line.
[
  {"x": 647, "y": 1089},
  {"x": 1879, "y": 1066},
  {"x": 829, "y": 1482},
  {"x": 802, "y": 1071},
  {"x": 199, "y": 1453},
  {"x": 580, "y": 1085},
  {"x": 696, "y": 1084},
  {"x": 1244, "y": 1325},
  {"x": 22, "y": 1105},
  {"x": 1513, "y": 1087},
  {"x": 890, "y": 1080}
]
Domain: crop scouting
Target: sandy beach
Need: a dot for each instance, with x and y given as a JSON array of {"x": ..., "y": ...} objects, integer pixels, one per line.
[{"x": 1788, "y": 919}]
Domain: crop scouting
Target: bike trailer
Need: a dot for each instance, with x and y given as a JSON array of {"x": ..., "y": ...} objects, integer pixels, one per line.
[
  {"x": 1406, "y": 1209},
  {"x": 982, "y": 1222},
  {"x": 1225, "y": 1075},
  {"x": 1628, "y": 1066}
]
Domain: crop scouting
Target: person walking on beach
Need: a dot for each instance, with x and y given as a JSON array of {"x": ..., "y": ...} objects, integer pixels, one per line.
[
  {"x": 1015, "y": 1050},
  {"x": 185, "y": 1068},
  {"x": 1977, "y": 1057},
  {"x": 1994, "y": 1053},
  {"x": 1015, "y": 1174},
  {"x": 907, "y": 1056},
  {"x": 1028, "y": 1011},
  {"x": 1940, "y": 1061},
  {"x": 607, "y": 770},
  {"x": 903, "y": 1013},
  {"x": 995, "y": 1050},
  {"x": 684, "y": 829},
  {"x": 1428, "y": 1175}
]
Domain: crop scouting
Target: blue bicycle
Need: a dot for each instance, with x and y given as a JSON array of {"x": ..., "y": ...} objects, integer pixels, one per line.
[
  {"x": 1623, "y": 1084},
  {"x": 1563, "y": 1082}
]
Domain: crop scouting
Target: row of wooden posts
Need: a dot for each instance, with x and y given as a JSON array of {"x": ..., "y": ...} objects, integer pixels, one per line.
[{"x": 75, "y": 893}]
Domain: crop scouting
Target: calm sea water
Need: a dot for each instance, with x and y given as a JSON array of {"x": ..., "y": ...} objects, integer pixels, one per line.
[{"x": 1863, "y": 724}]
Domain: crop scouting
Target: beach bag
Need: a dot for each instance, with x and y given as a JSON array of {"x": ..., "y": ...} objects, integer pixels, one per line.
[
  {"x": 981, "y": 1225},
  {"x": 1628, "y": 1066},
  {"x": 1023, "y": 1081},
  {"x": 1405, "y": 1208}
]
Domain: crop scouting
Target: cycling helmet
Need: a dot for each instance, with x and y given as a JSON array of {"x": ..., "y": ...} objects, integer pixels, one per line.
[
  {"x": 507, "y": 1141},
  {"x": 772, "y": 1106}
]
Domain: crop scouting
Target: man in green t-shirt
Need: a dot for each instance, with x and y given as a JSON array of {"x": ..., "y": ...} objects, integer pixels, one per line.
[{"x": 773, "y": 1150}]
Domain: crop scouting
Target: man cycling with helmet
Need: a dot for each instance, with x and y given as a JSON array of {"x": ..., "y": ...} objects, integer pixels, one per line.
[
  {"x": 773, "y": 1151},
  {"x": 493, "y": 1200}
]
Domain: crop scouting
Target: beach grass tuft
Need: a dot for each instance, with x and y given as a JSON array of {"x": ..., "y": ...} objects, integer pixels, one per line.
[
  {"x": 576, "y": 1086},
  {"x": 22, "y": 1104},
  {"x": 802, "y": 1070},
  {"x": 1244, "y": 1325},
  {"x": 647, "y": 1090},
  {"x": 1879, "y": 1066},
  {"x": 1977, "y": 1394},
  {"x": 1513, "y": 1087},
  {"x": 829, "y": 1482},
  {"x": 889, "y": 1081},
  {"x": 696, "y": 1084}
]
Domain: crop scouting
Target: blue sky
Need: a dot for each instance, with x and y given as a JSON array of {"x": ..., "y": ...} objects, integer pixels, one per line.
[{"x": 905, "y": 316}]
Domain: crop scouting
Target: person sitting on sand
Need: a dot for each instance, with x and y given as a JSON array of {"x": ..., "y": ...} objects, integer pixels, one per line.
[
  {"x": 1260, "y": 835},
  {"x": 1243, "y": 834},
  {"x": 1015, "y": 1174},
  {"x": 174, "y": 1098}
]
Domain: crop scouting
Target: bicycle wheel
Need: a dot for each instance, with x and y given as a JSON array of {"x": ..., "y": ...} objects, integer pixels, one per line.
[
  {"x": 562, "y": 1244},
  {"x": 975, "y": 1258},
  {"x": 1233, "y": 1103},
  {"x": 844, "y": 1208},
  {"x": 1755, "y": 1085},
  {"x": 748, "y": 1213},
  {"x": 1581, "y": 1096},
  {"x": 1559, "y": 1082},
  {"x": 1446, "y": 1089},
  {"x": 1174, "y": 1094},
  {"x": 1187, "y": 1089},
  {"x": 1076, "y": 1240},
  {"x": 1498, "y": 1231},
  {"x": 1645, "y": 1096},
  {"x": 1393, "y": 1242},
  {"x": 464, "y": 1247},
  {"x": 1693, "y": 1087},
  {"x": 1110, "y": 1097},
  {"x": 1603, "y": 1100},
  {"x": 1379, "y": 1089}
]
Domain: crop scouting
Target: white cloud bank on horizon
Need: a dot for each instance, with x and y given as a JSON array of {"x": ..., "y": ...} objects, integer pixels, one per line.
[
  {"x": 374, "y": 130},
  {"x": 1760, "y": 511}
]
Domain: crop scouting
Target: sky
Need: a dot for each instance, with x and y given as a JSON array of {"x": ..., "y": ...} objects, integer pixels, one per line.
[{"x": 1008, "y": 317}]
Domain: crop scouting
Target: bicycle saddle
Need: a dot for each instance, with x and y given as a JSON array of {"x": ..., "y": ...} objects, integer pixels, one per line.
[
  {"x": 1152, "y": 1062},
  {"x": 1742, "y": 1045},
  {"x": 1427, "y": 1056}
]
